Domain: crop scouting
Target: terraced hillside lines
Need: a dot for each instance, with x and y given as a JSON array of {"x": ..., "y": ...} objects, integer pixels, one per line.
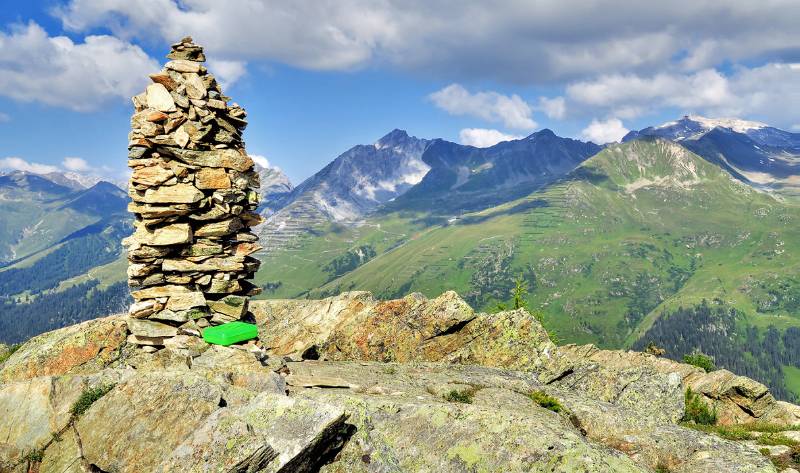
[{"x": 286, "y": 228}]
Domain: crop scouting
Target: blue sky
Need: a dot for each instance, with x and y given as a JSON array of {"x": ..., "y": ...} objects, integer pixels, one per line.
[{"x": 319, "y": 77}]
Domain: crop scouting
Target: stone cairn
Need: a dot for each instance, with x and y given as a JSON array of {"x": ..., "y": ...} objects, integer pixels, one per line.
[{"x": 194, "y": 195}]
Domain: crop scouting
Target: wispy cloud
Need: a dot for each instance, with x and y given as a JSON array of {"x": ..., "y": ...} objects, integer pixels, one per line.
[
  {"x": 605, "y": 131},
  {"x": 512, "y": 111},
  {"x": 483, "y": 138},
  {"x": 75, "y": 164},
  {"x": 19, "y": 164},
  {"x": 78, "y": 76},
  {"x": 770, "y": 92}
]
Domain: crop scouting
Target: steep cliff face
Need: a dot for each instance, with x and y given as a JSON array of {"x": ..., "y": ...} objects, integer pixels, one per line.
[{"x": 355, "y": 384}]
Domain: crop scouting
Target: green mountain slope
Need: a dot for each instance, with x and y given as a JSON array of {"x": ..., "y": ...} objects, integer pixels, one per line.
[
  {"x": 55, "y": 243},
  {"x": 638, "y": 230}
]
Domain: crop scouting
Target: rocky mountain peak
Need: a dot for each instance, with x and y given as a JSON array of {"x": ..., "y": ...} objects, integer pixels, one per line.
[
  {"x": 392, "y": 139},
  {"x": 694, "y": 127},
  {"x": 543, "y": 133}
]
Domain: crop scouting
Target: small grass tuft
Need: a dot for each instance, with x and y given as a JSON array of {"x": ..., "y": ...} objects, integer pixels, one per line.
[
  {"x": 88, "y": 397},
  {"x": 697, "y": 410},
  {"x": 11, "y": 350},
  {"x": 729, "y": 432},
  {"x": 464, "y": 397},
  {"x": 776, "y": 439},
  {"x": 546, "y": 401},
  {"x": 771, "y": 428},
  {"x": 34, "y": 456}
]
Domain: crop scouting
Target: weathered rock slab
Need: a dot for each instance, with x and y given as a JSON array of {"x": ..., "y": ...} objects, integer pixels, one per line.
[
  {"x": 78, "y": 349},
  {"x": 137, "y": 425},
  {"x": 272, "y": 433}
]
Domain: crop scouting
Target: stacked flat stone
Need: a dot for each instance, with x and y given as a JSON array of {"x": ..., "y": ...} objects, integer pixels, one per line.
[{"x": 193, "y": 191}]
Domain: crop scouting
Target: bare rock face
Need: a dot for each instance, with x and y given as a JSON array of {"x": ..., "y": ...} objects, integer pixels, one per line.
[
  {"x": 146, "y": 417},
  {"x": 355, "y": 326},
  {"x": 271, "y": 433},
  {"x": 403, "y": 425},
  {"x": 194, "y": 193},
  {"x": 78, "y": 349},
  {"x": 413, "y": 384},
  {"x": 736, "y": 399}
]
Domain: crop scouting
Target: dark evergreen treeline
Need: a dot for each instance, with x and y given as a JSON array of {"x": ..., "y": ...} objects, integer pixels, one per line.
[
  {"x": 717, "y": 331},
  {"x": 73, "y": 258},
  {"x": 349, "y": 261},
  {"x": 20, "y": 321}
]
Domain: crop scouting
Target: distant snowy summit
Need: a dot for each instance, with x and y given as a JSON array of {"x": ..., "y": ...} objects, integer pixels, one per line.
[
  {"x": 71, "y": 180},
  {"x": 694, "y": 127}
]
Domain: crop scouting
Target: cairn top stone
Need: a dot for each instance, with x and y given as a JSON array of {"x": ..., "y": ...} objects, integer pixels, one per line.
[{"x": 186, "y": 49}]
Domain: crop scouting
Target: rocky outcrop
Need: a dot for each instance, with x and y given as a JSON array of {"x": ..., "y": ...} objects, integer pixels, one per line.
[
  {"x": 83, "y": 348},
  {"x": 194, "y": 193},
  {"x": 355, "y": 326},
  {"x": 399, "y": 410},
  {"x": 351, "y": 384},
  {"x": 736, "y": 399}
]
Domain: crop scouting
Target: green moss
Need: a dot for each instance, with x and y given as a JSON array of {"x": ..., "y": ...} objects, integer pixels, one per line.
[
  {"x": 546, "y": 401},
  {"x": 464, "y": 397},
  {"x": 697, "y": 410},
  {"x": 34, "y": 456},
  {"x": 766, "y": 427},
  {"x": 730, "y": 432},
  {"x": 88, "y": 397}
]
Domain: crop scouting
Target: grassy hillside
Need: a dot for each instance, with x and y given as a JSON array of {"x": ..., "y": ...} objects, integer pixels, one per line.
[{"x": 637, "y": 230}]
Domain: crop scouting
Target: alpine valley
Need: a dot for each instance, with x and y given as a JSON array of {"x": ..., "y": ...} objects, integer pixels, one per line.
[{"x": 684, "y": 236}]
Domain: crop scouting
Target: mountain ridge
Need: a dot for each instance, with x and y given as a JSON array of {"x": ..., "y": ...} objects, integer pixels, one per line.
[
  {"x": 608, "y": 251},
  {"x": 761, "y": 155}
]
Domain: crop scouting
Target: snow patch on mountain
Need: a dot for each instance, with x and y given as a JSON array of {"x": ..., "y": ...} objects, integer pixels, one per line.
[{"x": 736, "y": 124}]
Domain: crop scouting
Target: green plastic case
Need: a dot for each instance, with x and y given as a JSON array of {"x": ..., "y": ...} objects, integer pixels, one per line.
[{"x": 230, "y": 333}]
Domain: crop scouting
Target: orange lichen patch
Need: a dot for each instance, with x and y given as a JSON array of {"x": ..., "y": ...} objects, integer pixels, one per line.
[
  {"x": 369, "y": 338},
  {"x": 86, "y": 347},
  {"x": 69, "y": 358}
]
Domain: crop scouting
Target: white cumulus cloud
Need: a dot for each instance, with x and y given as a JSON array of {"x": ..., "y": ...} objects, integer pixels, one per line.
[
  {"x": 491, "y": 106},
  {"x": 604, "y": 131},
  {"x": 227, "y": 72},
  {"x": 75, "y": 164},
  {"x": 19, "y": 164},
  {"x": 555, "y": 107},
  {"x": 523, "y": 42},
  {"x": 79, "y": 76},
  {"x": 483, "y": 138},
  {"x": 770, "y": 93},
  {"x": 260, "y": 160}
]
